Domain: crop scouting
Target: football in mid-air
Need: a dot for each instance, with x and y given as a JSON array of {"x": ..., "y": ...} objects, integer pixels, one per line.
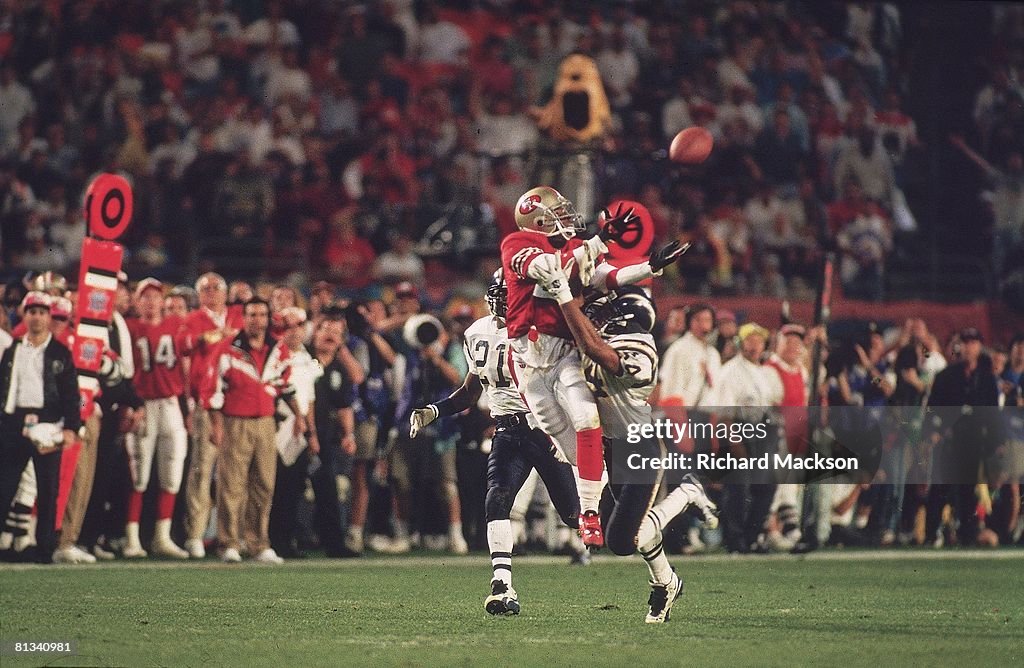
[{"x": 691, "y": 146}]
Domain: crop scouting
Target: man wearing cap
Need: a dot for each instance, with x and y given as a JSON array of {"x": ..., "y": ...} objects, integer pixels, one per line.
[
  {"x": 965, "y": 435},
  {"x": 745, "y": 392},
  {"x": 39, "y": 415},
  {"x": 207, "y": 329},
  {"x": 159, "y": 380}
]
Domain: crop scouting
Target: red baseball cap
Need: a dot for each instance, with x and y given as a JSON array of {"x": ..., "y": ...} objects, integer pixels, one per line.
[
  {"x": 37, "y": 298},
  {"x": 148, "y": 284}
]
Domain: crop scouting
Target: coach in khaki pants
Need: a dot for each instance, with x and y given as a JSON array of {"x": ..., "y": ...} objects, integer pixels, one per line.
[{"x": 251, "y": 375}]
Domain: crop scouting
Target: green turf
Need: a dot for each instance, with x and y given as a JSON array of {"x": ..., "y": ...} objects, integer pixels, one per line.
[{"x": 878, "y": 612}]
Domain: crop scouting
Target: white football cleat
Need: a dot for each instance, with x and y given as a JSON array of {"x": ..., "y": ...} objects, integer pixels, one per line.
[
  {"x": 705, "y": 507},
  {"x": 133, "y": 551},
  {"x": 269, "y": 556},
  {"x": 167, "y": 549},
  {"x": 662, "y": 598},
  {"x": 503, "y": 599},
  {"x": 195, "y": 548},
  {"x": 72, "y": 555},
  {"x": 231, "y": 556}
]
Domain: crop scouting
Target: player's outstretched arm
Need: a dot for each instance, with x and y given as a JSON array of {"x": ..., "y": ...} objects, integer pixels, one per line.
[
  {"x": 609, "y": 278},
  {"x": 467, "y": 395},
  {"x": 588, "y": 340}
]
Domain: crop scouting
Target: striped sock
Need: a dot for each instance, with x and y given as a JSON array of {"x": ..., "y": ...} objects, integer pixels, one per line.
[
  {"x": 499, "y": 541},
  {"x": 653, "y": 551}
]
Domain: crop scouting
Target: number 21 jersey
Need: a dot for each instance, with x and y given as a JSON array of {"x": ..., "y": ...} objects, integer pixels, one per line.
[{"x": 487, "y": 353}]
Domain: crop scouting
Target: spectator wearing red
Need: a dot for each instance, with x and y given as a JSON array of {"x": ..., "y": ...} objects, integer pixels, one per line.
[
  {"x": 206, "y": 329},
  {"x": 349, "y": 257},
  {"x": 251, "y": 374}
]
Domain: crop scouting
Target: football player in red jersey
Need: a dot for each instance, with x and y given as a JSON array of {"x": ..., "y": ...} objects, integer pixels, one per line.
[
  {"x": 159, "y": 380},
  {"x": 547, "y": 368}
]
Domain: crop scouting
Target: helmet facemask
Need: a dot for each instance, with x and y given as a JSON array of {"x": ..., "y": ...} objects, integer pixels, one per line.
[
  {"x": 561, "y": 220},
  {"x": 497, "y": 295}
]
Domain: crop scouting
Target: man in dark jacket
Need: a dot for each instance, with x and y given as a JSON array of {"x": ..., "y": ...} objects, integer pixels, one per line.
[
  {"x": 967, "y": 428},
  {"x": 39, "y": 416}
]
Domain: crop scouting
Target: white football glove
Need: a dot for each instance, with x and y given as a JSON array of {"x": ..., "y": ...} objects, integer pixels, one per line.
[
  {"x": 586, "y": 259},
  {"x": 550, "y": 275},
  {"x": 420, "y": 418}
]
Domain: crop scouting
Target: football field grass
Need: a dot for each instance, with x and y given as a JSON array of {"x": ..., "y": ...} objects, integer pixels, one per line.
[{"x": 877, "y": 609}]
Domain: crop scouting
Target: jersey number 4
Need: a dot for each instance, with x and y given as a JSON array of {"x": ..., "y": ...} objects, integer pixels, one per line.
[
  {"x": 481, "y": 362},
  {"x": 164, "y": 352}
]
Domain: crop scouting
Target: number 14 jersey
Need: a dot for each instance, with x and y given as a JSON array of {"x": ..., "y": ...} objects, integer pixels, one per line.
[{"x": 158, "y": 351}]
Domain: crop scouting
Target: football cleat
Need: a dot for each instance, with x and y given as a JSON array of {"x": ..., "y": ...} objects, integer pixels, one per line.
[
  {"x": 195, "y": 548},
  {"x": 661, "y": 600},
  {"x": 133, "y": 551},
  {"x": 268, "y": 556},
  {"x": 706, "y": 509},
  {"x": 167, "y": 549},
  {"x": 231, "y": 556},
  {"x": 73, "y": 555},
  {"x": 590, "y": 529},
  {"x": 503, "y": 599}
]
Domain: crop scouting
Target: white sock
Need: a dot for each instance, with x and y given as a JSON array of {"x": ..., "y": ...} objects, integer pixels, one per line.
[
  {"x": 590, "y": 494},
  {"x": 162, "y": 531},
  {"x": 131, "y": 534},
  {"x": 673, "y": 504},
  {"x": 499, "y": 542},
  {"x": 455, "y": 531},
  {"x": 653, "y": 552}
]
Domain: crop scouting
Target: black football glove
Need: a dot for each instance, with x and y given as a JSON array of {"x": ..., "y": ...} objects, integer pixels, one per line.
[
  {"x": 619, "y": 224},
  {"x": 667, "y": 254}
]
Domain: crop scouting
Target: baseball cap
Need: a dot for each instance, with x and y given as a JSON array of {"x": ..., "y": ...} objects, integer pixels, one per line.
[
  {"x": 753, "y": 328},
  {"x": 148, "y": 284},
  {"x": 37, "y": 298},
  {"x": 406, "y": 289},
  {"x": 971, "y": 334},
  {"x": 725, "y": 315}
]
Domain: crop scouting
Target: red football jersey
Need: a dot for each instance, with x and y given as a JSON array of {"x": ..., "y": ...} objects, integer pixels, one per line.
[
  {"x": 525, "y": 308},
  {"x": 158, "y": 349}
]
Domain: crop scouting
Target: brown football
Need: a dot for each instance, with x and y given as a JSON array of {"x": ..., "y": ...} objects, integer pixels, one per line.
[{"x": 691, "y": 146}]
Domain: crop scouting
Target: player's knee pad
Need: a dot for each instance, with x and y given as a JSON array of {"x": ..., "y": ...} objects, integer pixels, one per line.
[{"x": 498, "y": 504}]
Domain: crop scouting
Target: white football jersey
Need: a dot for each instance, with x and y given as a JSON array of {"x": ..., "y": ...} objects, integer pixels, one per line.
[
  {"x": 488, "y": 356},
  {"x": 622, "y": 400}
]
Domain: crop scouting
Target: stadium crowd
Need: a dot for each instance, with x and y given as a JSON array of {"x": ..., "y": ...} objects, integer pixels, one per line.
[
  {"x": 324, "y": 135},
  {"x": 304, "y": 148}
]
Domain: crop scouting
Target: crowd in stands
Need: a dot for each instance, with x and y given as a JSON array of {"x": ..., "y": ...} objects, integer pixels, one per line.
[{"x": 324, "y": 138}]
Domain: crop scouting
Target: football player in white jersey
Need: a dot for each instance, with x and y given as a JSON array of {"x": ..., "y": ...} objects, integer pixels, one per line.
[
  {"x": 620, "y": 362},
  {"x": 517, "y": 448}
]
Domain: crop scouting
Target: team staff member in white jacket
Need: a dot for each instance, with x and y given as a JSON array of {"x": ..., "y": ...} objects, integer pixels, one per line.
[{"x": 746, "y": 393}]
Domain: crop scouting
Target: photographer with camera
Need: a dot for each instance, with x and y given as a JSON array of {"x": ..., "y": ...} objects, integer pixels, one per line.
[
  {"x": 423, "y": 376},
  {"x": 372, "y": 405}
]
